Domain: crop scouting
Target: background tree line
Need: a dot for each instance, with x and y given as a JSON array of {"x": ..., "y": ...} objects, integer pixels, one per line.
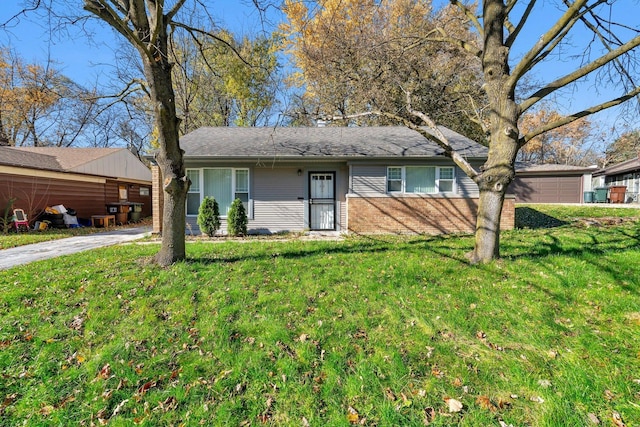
[{"x": 290, "y": 76}]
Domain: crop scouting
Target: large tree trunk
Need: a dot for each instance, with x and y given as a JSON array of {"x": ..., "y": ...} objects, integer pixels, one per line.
[
  {"x": 144, "y": 25},
  {"x": 499, "y": 170},
  {"x": 169, "y": 159}
]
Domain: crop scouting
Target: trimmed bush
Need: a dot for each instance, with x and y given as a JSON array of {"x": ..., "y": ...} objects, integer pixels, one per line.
[
  {"x": 209, "y": 216},
  {"x": 237, "y": 219}
]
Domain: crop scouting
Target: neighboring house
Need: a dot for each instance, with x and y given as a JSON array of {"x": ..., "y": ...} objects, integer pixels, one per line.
[
  {"x": 83, "y": 179},
  {"x": 551, "y": 183},
  {"x": 345, "y": 179},
  {"x": 622, "y": 174}
]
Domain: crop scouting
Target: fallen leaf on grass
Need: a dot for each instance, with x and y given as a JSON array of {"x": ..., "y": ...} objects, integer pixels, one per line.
[
  {"x": 76, "y": 323},
  {"x": 8, "y": 400},
  {"x": 175, "y": 373},
  {"x": 46, "y": 410},
  {"x": 504, "y": 404},
  {"x": 436, "y": 372},
  {"x": 169, "y": 404},
  {"x": 429, "y": 415},
  {"x": 105, "y": 372},
  {"x": 389, "y": 394},
  {"x": 453, "y": 404},
  {"x": 593, "y": 418},
  {"x": 406, "y": 402},
  {"x": 617, "y": 419},
  {"x": 485, "y": 403},
  {"x": 146, "y": 386},
  {"x": 63, "y": 402},
  {"x": 352, "y": 415},
  {"x": 102, "y": 416},
  {"x": 119, "y": 407}
]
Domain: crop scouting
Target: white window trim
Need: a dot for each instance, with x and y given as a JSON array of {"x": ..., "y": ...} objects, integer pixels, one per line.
[
  {"x": 233, "y": 185},
  {"x": 454, "y": 187}
]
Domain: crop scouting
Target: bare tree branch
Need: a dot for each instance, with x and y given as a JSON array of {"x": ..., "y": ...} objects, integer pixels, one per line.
[
  {"x": 438, "y": 137},
  {"x": 558, "y": 30},
  {"x": 193, "y": 31},
  {"x": 606, "y": 42},
  {"x": 104, "y": 11},
  {"x": 514, "y": 32},
  {"x": 577, "y": 74},
  {"x": 174, "y": 10},
  {"x": 576, "y": 116},
  {"x": 461, "y": 44},
  {"x": 470, "y": 16}
]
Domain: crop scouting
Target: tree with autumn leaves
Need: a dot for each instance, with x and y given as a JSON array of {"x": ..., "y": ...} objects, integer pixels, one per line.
[
  {"x": 572, "y": 144},
  {"x": 39, "y": 105},
  {"x": 216, "y": 86},
  {"x": 359, "y": 55},
  {"x": 407, "y": 58}
]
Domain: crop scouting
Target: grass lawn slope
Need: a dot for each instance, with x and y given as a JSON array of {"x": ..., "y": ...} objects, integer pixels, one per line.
[{"x": 383, "y": 331}]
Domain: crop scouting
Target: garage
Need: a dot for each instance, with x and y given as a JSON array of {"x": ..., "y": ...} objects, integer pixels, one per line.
[{"x": 551, "y": 183}]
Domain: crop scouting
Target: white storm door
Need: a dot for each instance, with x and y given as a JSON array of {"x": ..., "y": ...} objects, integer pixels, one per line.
[{"x": 322, "y": 201}]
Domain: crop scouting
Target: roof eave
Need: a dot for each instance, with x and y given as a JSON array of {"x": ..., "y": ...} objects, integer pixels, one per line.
[{"x": 317, "y": 158}]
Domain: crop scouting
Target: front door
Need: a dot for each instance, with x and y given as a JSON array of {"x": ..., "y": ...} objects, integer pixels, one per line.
[{"x": 322, "y": 200}]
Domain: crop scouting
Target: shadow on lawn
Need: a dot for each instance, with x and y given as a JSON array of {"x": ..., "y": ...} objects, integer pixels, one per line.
[
  {"x": 595, "y": 245},
  {"x": 531, "y": 218},
  {"x": 302, "y": 252},
  {"x": 600, "y": 251}
]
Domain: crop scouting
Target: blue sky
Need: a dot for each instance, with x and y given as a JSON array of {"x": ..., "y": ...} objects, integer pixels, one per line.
[{"x": 87, "y": 62}]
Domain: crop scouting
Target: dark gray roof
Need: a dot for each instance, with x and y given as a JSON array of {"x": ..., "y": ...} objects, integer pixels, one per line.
[
  {"x": 11, "y": 156},
  {"x": 632, "y": 165},
  {"x": 320, "y": 142}
]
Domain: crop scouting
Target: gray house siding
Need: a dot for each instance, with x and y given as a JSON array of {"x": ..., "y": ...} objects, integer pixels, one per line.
[
  {"x": 466, "y": 186},
  {"x": 278, "y": 200},
  {"x": 279, "y": 197},
  {"x": 371, "y": 180},
  {"x": 368, "y": 179}
]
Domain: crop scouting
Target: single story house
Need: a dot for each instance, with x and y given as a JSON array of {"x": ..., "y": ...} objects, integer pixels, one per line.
[
  {"x": 625, "y": 174},
  {"x": 83, "y": 179},
  {"x": 345, "y": 179},
  {"x": 551, "y": 183}
]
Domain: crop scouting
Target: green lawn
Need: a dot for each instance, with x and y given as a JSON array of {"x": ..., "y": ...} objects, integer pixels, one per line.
[{"x": 386, "y": 331}]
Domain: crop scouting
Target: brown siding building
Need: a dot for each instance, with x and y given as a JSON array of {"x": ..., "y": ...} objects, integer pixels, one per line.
[{"x": 83, "y": 179}]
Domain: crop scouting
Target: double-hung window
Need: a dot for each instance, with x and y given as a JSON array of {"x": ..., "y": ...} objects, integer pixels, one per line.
[
  {"x": 193, "y": 196},
  {"x": 223, "y": 184},
  {"x": 420, "y": 179}
]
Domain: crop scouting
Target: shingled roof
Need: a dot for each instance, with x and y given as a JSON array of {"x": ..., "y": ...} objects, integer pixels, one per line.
[
  {"x": 620, "y": 168},
  {"x": 11, "y": 156},
  {"x": 109, "y": 162},
  {"x": 320, "y": 142},
  {"x": 70, "y": 158}
]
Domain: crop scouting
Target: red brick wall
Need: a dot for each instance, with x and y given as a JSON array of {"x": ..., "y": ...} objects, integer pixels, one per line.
[
  {"x": 158, "y": 199},
  {"x": 419, "y": 215}
]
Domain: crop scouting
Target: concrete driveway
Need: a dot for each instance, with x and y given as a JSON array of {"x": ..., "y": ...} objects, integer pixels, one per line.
[{"x": 54, "y": 248}]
